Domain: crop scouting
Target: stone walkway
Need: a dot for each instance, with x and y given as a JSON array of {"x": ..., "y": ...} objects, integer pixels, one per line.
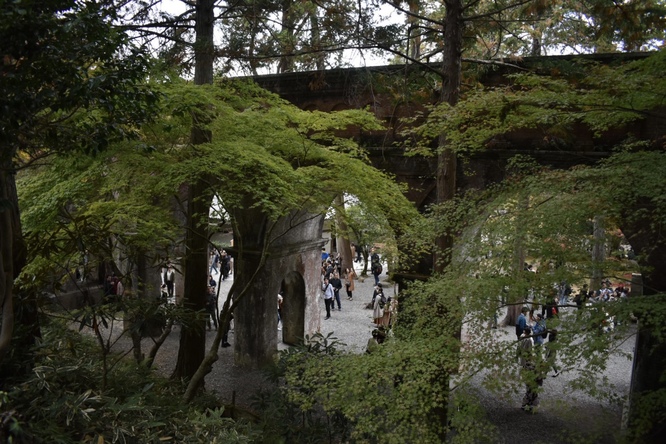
[{"x": 353, "y": 326}]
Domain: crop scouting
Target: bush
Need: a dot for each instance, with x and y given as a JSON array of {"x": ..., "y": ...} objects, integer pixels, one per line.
[{"x": 61, "y": 401}]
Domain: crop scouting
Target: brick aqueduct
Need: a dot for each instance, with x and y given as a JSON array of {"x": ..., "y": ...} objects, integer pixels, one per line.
[
  {"x": 294, "y": 266},
  {"x": 357, "y": 88},
  {"x": 293, "y": 263}
]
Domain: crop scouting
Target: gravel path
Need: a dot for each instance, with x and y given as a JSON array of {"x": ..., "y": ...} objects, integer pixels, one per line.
[{"x": 553, "y": 423}]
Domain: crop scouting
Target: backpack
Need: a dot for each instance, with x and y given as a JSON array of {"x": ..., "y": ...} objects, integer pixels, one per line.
[
  {"x": 378, "y": 268},
  {"x": 382, "y": 301}
]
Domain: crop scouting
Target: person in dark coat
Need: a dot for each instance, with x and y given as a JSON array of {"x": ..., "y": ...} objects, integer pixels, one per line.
[
  {"x": 337, "y": 286},
  {"x": 550, "y": 310},
  {"x": 521, "y": 322}
]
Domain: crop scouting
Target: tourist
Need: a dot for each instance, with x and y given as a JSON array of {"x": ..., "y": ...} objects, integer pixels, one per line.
[
  {"x": 337, "y": 286},
  {"x": 213, "y": 260},
  {"x": 350, "y": 276},
  {"x": 379, "y": 301},
  {"x": 521, "y": 322},
  {"x": 389, "y": 309},
  {"x": 564, "y": 291},
  {"x": 529, "y": 372},
  {"x": 539, "y": 330},
  {"x": 375, "y": 265},
  {"x": 224, "y": 265},
  {"x": 211, "y": 307},
  {"x": 378, "y": 336},
  {"x": 327, "y": 288},
  {"x": 550, "y": 309},
  {"x": 169, "y": 280}
]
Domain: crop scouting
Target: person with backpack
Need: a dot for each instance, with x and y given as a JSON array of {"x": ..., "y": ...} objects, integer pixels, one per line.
[
  {"x": 375, "y": 265},
  {"x": 529, "y": 374}
]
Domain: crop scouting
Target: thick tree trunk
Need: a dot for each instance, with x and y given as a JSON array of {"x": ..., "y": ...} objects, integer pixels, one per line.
[
  {"x": 192, "y": 338},
  {"x": 192, "y": 346},
  {"x": 648, "y": 384},
  {"x": 6, "y": 263},
  {"x": 286, "y": 63},
  {"x": 12, "y": 261},
  {"x": 446, "y": 168},
  {"x": 516, "y": 293},
  {"x": 342, "y": 239},
  {"x": 446, "y": 159}
]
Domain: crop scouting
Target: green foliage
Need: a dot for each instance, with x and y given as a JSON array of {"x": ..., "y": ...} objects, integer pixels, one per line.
[
  {"x": 62, "y": 401},
  {"x": 387, "y": 396},
  {"x": 70, "y": 79},
  {"x": 292, "y": 412},
  {"x": 551, "y": 104},
  {"x": 528, "y": 210}
]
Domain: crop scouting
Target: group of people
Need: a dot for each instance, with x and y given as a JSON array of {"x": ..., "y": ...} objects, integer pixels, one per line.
[
  {"x": 220, "y": 263},
  {"x": 536, "y": 356},
  {"x": 536, "y": 349},
  {"x": 113, "y": 288},
  {"x": 604, "y": 294},
  {"x": 382, "y": 307},
  {"x": 332, "y": 285}
]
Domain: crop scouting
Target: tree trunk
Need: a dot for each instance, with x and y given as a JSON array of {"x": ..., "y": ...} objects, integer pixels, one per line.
[
  {"x": 342, "y": 239},
  {"x": 6, "y": 261},
  {"x": 199, "y": 197},
  {"x": 517, "y": 292},
  {"x": 646, "y": 420},
  {"x": 598, "y": 252},
  {"x": 12, "y": 261},
  {"x": 287, "y": 48},
  {"x": 446, "y": 159},
  {"x": 413, "y": 31},
  {"x": 446, "y": 170}
]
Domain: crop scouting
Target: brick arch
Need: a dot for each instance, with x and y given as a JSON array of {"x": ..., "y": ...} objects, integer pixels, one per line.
[{"x": 293, "y": 308}]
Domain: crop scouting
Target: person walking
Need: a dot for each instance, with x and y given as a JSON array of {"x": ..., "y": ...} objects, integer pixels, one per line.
[
  {"x": 550, "y": 309},
  {"x": 327, "y": 288},
  {"x": 214, "y": 259},
  {"x": 521, "y": 322},
  {"x": 169, "y": 280},
  {"x": 375, "y": 265},
  {"x": 211, "y": 307},
  {"x": 350, "y": 276},
  {"x": 337, "y": 286},
  {"x": 529, "y": 373},
  {"x": 224, "y": 265}
]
